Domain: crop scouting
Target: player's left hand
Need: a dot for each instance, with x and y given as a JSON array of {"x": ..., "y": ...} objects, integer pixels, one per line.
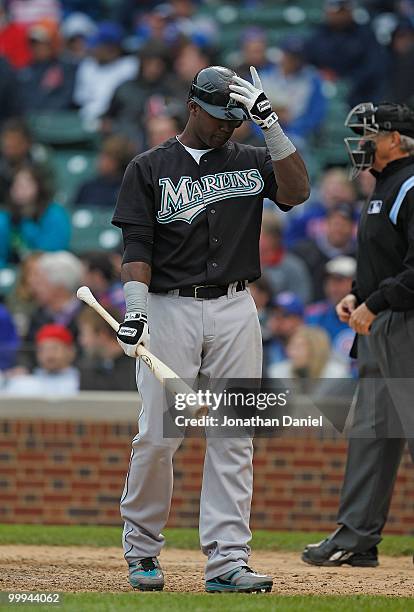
[
  {"x": 361, "y": 319},
  {"x": 254, "y": 99}
]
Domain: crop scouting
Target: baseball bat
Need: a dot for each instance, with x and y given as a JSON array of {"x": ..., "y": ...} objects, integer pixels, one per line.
[{"x": 162, "y": 372}]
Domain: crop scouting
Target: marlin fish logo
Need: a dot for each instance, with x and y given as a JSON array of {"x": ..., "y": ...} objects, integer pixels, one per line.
[{"x": 187, "y": 199}]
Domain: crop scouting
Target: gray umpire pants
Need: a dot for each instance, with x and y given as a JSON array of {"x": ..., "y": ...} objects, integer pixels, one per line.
[
  {"x": 383, "y": 422},
  {"x": 217, "y": 338}
]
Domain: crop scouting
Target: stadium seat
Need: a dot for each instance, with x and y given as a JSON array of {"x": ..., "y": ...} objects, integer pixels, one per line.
[
  {"x": 63, "y": 128},
  {"x": 92, "y": 230},
  {"x": 73, "y": 167},
  {"x": 8, "y": 276}
]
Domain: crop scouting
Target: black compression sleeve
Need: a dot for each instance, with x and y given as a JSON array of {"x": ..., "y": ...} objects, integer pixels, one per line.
[{"x": 138, "y": 243}]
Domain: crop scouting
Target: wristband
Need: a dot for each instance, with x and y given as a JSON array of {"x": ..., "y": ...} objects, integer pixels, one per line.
[
  {"x": 136, "y": 296},
  {"x": 278, "y": 143}
]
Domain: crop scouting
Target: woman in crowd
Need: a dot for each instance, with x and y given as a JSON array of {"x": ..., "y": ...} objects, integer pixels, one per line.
[{"x": 31, "y": 220}]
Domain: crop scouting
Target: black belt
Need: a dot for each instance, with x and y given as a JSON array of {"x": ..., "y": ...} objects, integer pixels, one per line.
[{"x": 209, "y": 292}]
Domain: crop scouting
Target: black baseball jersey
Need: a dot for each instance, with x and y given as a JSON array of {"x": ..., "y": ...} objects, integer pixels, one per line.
[
  {"x": 197, "y": 224},
  {"x": 385, "y": 260}
]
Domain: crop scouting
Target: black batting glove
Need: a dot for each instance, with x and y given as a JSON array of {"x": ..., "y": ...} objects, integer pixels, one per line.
[{"x": 133, "y": 332}]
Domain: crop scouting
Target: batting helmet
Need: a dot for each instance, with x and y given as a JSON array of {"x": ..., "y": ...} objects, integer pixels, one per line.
[
  {"x": 210, "y": 89},
  {"x": 368, "y": 120}
]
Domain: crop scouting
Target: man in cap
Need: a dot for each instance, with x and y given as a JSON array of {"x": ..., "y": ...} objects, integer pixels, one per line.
[
  {"x": 47, "y": 83},
  {"x": 345, "y": 49},
  {"x": 337, "y": 239},
  {"x": 380, "y": 308},
  {"x": 190, "y": 211},
  {"x": 339, "y": 273},
  {"x": 103, "y": 70}
]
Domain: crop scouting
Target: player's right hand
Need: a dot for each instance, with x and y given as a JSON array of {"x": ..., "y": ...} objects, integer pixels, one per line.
[
  {"x": 132, "y": 332},
  {"x": 346, "y": 307}
]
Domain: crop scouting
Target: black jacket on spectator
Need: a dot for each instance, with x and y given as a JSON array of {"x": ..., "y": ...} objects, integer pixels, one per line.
[
  {"x": 10, "y": 99},
  {"x": 48, "y": 86},
  {"x": 316, "y": 260},
  {"x": 352, "y": 53},
  {"x": 99, "y": 191},
  {"x": 108, "y": 375}
]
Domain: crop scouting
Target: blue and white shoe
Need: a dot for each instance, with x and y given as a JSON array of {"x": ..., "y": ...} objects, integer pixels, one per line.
[
  {"x": 146, "y": 575},
  {"x": 242, "y": 580}
]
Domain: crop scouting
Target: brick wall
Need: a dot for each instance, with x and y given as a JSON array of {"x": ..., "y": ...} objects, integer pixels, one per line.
[{"x": 72, "y": 471}]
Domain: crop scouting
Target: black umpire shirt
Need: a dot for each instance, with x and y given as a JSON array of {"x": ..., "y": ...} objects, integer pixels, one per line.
[
  {"x": 195, "y": 224},
  {"x": 385, "y": 260}
]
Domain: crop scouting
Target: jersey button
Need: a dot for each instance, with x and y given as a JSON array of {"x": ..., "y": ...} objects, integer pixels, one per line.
[
  {"x": 214, "y": 264},
  {"x": 212, "y": 210},
  {"x": 214, "y": 239}
]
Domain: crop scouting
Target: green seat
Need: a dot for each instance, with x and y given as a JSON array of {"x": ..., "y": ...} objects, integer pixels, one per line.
[
  {"x": 73, "y": 167},
  {"x": 62, "y": 128},
  {"x": 8, "y": 277},
  {"x": 92, "y": 230}
]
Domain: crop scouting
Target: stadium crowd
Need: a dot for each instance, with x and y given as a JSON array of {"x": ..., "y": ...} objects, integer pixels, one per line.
[{"x": 111, "y": 79}]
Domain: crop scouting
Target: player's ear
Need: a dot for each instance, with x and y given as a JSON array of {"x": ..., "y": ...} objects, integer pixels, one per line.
[{"x": 193, "y": 107}]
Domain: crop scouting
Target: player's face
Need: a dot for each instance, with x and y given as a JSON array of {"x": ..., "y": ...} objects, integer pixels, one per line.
[{"x": 213, "y": 132}]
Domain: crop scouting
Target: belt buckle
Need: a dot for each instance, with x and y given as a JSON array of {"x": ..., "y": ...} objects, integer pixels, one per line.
[{"x": 196, "y": 287}]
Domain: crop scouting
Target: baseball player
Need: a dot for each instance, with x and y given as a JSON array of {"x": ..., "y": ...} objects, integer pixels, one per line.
[
  {"x": 381, "y": 310},
  {"x": 190, "y": 211}
]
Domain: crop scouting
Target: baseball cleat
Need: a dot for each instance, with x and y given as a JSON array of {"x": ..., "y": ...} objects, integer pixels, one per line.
[
  {"x": 327, "y": 554},
  {"x": 146, "y": 575},
  {"x": 241, "y": 580}
]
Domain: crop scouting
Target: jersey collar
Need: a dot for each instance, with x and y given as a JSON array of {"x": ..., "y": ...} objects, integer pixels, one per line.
[{"x": 393, "y": 167}]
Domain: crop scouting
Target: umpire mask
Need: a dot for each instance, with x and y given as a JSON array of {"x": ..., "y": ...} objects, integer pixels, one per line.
[{"x": 367, "y": 121}]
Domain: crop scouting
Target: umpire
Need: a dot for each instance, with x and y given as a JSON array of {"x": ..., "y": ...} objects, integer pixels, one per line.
[{"x": 381, "y": 310}]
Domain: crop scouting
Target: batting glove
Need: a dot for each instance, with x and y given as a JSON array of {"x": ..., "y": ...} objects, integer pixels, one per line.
[
  {"x": 254, "y": 99},
  {"x": 133, "y": 332}
]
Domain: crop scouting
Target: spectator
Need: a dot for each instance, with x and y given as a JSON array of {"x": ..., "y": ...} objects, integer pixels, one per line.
[
  {"x": 9, "y": 340},
  {"x": 10, "y": 99},
  {"x": 18, "y": 150},
  {"x": 200, "y": 29},
  {"x": 47, "y": 83},
  {"x": 335, "y": 188},
  {"x": 285, "y": 316},
  {"x": 189, "y": 60},
  {"x": 400, "y": 86},
  {"x": 54, "y": 280},
  {"x": 55, "y": 375},
  {"x": 20, "y": 300},
  {"x": 130, "y": 103},
  {"x": 102, "y": 190},
  {"x": 345, "y": 49},
  {"x": 32, "y": 221},
  {"x": 159, "y": 129},
  {"x": 104, "y": 367},
  {"x": 76, "y": 29},
  {"x": 309, "y": 357},
  {"x": 14, "y": 45},
  {"x": 295, "y": 89},
  {"x": 339, "y": 273},
  {"x": 103, "y": 71},
  {"x": 129, "y": 12},
  {"x": 284, "y": 270},
  {"x": 101, "y": 278},
  {"x": 254, "y": 53},
  {"x": 338, "y": 239}
]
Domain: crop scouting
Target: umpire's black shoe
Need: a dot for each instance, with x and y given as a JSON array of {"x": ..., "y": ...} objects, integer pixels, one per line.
[{"x": 327, "y": 554}]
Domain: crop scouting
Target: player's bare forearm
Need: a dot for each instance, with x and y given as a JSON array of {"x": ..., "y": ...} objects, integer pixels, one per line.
[
  {"x": 292, "y": 180},
  {"x": 136, "y": 271}
]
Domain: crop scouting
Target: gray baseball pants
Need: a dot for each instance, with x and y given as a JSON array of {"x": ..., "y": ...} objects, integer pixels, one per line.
[
  {"x": 383, "y": 423},
  {"x": 217, "y": 338}
]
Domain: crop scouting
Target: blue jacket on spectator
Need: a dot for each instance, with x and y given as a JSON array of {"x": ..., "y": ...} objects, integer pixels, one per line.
[
  {"x": 9, "y": 340},
  {"x": 50, "y": 232}
]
